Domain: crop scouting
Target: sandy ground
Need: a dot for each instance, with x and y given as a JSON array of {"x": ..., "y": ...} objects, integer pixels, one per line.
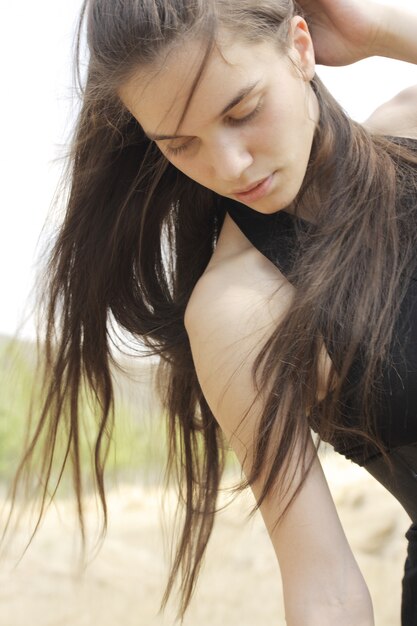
[{"x": 240, "y": 584}]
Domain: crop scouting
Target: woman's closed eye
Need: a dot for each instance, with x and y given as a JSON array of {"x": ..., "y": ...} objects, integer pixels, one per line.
[
  {"x": 174, "y": 150},
  {"x": 237, "y": 121},
  {"x": 229, "y": 121}
]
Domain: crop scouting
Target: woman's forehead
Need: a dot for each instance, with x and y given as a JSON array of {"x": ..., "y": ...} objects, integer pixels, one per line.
[{"x": 158, "y": 96}]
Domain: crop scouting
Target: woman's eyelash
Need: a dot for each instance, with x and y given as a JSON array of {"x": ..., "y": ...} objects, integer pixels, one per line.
[
  {"x": 231, "y": 121},
  {"x": 175, "y": 151}
]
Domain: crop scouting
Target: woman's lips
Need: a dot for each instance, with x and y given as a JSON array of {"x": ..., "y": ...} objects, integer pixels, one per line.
[{"x": 257, "y": 191}]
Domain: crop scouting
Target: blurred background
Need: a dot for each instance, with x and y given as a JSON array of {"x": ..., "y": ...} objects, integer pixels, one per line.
[{"x": 240, "y": 583}]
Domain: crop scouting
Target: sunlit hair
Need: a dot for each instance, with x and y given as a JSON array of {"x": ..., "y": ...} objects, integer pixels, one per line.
[{"x": 138, "y": 234}]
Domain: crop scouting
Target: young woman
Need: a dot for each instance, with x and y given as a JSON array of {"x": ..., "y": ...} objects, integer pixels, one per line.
[{"x": 226, "y": 213}]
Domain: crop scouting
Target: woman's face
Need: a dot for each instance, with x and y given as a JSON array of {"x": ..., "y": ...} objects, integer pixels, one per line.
[{"x": 248, "y": 130}]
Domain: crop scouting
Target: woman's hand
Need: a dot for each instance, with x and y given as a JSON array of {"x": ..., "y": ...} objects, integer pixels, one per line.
[{"x": 345, "y": 31}]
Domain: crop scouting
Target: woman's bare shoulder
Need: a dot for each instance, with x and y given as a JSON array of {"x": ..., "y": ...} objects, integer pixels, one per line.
[
  {"x": 238, "y": 283},
  {"x": 233, "y": 310},
  {"x": 397, "y": 117},
  {"x": 235, "y": 307}
]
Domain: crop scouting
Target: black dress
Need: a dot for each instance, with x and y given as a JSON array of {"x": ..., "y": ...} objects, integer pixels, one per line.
[{"x": 275, "y": 236}]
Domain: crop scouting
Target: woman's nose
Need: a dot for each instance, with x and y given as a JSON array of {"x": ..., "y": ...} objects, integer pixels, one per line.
[{"x": 229, "y": 159}]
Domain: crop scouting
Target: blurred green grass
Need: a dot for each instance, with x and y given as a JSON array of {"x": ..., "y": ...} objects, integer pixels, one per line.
[{"x": 138, "y": 442}]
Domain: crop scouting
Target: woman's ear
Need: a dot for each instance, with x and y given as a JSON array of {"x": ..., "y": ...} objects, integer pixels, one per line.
[{"x": 301, "y": 47}]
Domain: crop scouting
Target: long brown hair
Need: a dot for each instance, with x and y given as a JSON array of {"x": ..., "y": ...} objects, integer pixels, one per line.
[{"x": 138, "y": 234}]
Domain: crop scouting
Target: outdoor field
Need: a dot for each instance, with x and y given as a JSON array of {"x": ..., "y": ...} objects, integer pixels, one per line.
[{"x": 123, "y": 582}]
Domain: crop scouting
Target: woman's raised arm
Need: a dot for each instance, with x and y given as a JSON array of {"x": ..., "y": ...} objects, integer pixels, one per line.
[
  {"x": 345, "y": 31},
  {"x": 231, "y": 313}
]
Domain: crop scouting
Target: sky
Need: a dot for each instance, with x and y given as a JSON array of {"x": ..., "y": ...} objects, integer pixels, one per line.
[{"x": 37, "y": 109}]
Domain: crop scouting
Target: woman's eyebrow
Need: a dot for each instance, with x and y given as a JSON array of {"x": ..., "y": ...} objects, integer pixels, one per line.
[{"x": 241, "y": 95}]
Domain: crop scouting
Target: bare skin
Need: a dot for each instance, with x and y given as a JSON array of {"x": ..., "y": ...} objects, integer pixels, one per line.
[{"x": 235, "y": 306}]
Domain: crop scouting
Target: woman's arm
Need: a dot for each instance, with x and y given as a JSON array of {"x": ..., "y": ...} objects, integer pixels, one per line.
[
  {"x": 232, "y": 311},
  {"x": 397, "y": 34},
  {"x": 345, "y": 31}
]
